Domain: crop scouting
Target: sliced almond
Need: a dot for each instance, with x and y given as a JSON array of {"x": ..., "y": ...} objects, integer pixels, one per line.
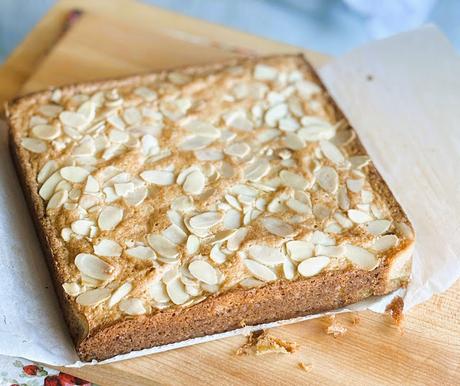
[
  {"x": 50, "y": 110},
  {"x": 359, "y": 161},
  {"x": 232, "y": 219},
  {"x": 203, "y": 271},
  {"x": 294, "y": 142},
  {"x": 46, "y": 132},
  {"x": 124, "y": 188},
  {"x": 275, "y": 113},
  {"x": 258, "y": 169},
  {"x": 66, "y": 234},
  {"x": 176, "y": 291},
  {"x": 250, "y": 282},
  {"x": 175, "y": 234},
  {"x": 234, "y": 242},
  {"x": 132, "y": 116},
  {"x": 331, "y": 251},
  {"x": 195, "y": 142},
  {"x": 141, "y": 252},
  {"x": 193, "y": 245},
  {"x": 327, "y": 178},
  {"x": 110, "y": 217},
  {"x": 82, "y": 227},
  {"x": 163, "y": 246},
  {"x": 360, "y": 257},
  {"x": 293, "y": 180},
  {"x": 278, "y": 227},
  {"x": 74, "y": 173},
  {"x": 313, "y": 265},
  {"x": 92, "y": 186},
  {"x": 73, "y": 119},
  {"x": 260, "y": 271},
  {"x": 299, "y": 250},
  {"x": 137, "y": 196},
  {"x": 47, "y": 170},
  {"x": 343, "y": 199},
  {"x": 343, "y": 220},
  {"x": 93, "y": 266},
  {"x": 298, "y": 206},
  {"x": 264, "y": 72},
  {"x": 108, "y": 248},
  {"x": 206, "y": 220},
  {"x": 267, "y": 135},
  {"x": 322, "y": 238},
  {"x": 209, "y": 155},
  {"x": 355, "y": 185},
  {"x": 331, "y": 152},
  {"x": 146, "y": 93},
  {"x": 93, "y": 297},
  {"x": 157, "y": 291},
  {"x": 316, "y": 132},
  {"x": 288, "y": 270},
  {"x": 202, "y": 128},
  {"x": 384, "y": 243},
  {"x": 237, "y": 149},
  {"x": 194, "y": 182},
  {"x": 358, "y": 216},
  {"x": 377, "y": 227},
  {"x": 266, "y": 255},
  {"x": 120, "y": 293},
  {"x": 405, "y": 230},
  {"x": 57, "y": 200},
  {"x": 158, "y": 177},
  {"x": 217, "y": 255},
  {"x": 34, "y": 145},
  {"x": 132, "y": 306},
  {"x": 72, "y": 289}
]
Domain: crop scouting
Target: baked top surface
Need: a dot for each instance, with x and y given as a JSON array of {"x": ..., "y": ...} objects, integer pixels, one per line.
[{"x": 165, "y": 189}]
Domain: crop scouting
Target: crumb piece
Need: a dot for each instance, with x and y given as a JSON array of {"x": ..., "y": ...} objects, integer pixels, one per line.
[
  {"x": 395, "y": 309},
  {"x": 370, "y": 78},
  {"x": 260, "y": 342},
  {"x": 307, "y": 367},
  {"x": 355, "y": 319},
  {"x": 335, "y": 328},
  {"x": 243, "y": 323}
]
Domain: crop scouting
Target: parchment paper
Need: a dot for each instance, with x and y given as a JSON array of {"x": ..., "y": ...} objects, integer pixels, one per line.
[{"x": 402, "y": 95}]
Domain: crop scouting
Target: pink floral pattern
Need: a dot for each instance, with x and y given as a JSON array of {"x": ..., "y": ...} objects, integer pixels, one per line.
[{"x": 20, "y": 372}]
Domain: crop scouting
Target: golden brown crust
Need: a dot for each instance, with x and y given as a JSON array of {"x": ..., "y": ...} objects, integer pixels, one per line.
[{"x": 275, "y": 301}]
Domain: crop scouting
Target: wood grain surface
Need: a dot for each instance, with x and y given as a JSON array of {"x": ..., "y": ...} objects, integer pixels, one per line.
[{"x": 129, "y": 37}]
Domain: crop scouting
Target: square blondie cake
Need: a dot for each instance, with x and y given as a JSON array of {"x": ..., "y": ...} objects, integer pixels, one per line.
[{"x": 190, "y": 202}]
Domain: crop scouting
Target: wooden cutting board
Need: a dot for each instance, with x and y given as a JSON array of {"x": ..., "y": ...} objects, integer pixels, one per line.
[{"x": 135, "y": 38}]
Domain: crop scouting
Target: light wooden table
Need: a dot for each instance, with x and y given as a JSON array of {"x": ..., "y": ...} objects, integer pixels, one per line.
[{"x": 117, "y": 38}]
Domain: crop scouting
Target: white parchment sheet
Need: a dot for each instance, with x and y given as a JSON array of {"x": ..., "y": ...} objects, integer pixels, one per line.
[{"x": 403, "y": 97}]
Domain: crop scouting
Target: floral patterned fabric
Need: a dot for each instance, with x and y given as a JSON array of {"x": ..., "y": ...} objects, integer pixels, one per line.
[{"x": 21, "y": 372}]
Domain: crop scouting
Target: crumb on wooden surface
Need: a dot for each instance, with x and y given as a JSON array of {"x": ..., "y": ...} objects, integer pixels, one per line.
[
  {"x": 355, "y": 319},
  {"x": 395, "y": 309},
  {"x": 260, "y": 342},
  {"x": 307, "y": 367},
  {"x": 334, "y": 327}
]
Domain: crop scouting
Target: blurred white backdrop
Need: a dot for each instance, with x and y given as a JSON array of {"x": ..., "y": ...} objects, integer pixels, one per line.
[{"x": 330, "y": 26}]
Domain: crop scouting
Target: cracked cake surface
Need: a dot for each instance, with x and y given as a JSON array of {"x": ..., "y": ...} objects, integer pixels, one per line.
[{"x": 203, "y": 197}]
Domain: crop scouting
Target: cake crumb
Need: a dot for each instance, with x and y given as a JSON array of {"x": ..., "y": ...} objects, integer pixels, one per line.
[
  {"x": 307, "y": 367},
  {"x": 395, "y": 309},
  {"x": 335, "y": 328},
  {"x": 355, "y": 319},
  {"x": 260, "y": 343}
]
